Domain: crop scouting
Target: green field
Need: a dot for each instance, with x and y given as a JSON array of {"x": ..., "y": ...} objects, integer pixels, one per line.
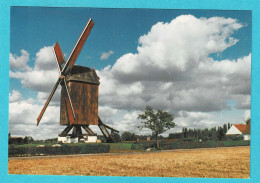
[{"x": 120, "y": 147}]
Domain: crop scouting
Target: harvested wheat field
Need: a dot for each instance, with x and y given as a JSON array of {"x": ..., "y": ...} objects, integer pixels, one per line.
[{"x": 232, "y": 162}]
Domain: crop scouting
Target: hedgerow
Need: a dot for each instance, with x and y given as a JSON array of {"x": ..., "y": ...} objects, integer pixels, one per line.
[
  {"x": 164, "y": 145},
  {"x": 63, "y": 149}
]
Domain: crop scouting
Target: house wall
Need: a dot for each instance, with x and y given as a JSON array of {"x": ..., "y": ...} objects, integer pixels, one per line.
[
  {"x": 74, "y": 140},
  {"x": 91, "y": 139},
  {"x": 62, "y": 139},
  {"x": 67, "y": 139},
  {"x": 246, "y": 137}
]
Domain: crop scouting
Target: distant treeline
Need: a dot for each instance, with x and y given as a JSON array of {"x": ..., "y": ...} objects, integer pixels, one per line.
[
  {"x": 20, "y": 140},
  {"x": 215, "y": 133},
  {"x": 28, "y": 140},
  {"x": 188, "y": 134}
]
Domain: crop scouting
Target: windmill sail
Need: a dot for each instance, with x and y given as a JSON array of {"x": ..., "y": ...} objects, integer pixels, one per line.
[{"x": 69, "y": 64}]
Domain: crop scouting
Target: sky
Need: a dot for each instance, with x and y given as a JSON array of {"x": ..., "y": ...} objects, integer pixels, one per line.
[{"x": 195, "y": 64}]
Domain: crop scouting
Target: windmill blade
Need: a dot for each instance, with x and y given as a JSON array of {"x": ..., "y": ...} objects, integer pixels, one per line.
[
  {"x": 69, "y": 105},
  {"x": 78, "y": 46},
  {"x": 58, "y": 56},
  {"x": 69, "y": 110},
  {"x": 48, "y": 101}
]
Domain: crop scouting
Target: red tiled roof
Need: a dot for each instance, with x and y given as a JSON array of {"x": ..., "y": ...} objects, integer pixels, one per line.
[{"x": 244, "y": 129}]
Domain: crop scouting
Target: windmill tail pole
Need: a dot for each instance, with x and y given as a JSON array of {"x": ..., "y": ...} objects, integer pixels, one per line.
[{"x": 105, "y": 132}]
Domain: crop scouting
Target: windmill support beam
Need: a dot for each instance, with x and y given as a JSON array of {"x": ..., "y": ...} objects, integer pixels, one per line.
[
  {"x": 105, "y": 132},
  {"x": 110, "y": 128},
  {"x": 88, "y": 130},
  {"x": 65, "y": 132},
  {"x": 77, "y": 132}
]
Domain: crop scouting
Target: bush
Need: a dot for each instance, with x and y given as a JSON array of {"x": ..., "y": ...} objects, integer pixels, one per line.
[
  {"x": 94, "y": 148},
  {"x": 188, "y": 139},
  {"x": 235, "y": 137},
  {"x": 64, "y": 149}
]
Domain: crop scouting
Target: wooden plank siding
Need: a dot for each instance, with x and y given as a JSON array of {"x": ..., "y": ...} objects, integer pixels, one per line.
[{"x": 84, "y": 97}]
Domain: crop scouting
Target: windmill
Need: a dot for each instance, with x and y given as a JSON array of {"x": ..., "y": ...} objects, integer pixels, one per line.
[{"x": 79, "y": 93}]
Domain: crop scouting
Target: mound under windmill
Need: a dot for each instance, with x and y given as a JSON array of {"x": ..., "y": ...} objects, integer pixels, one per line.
[{"x": 79, "y": 93}]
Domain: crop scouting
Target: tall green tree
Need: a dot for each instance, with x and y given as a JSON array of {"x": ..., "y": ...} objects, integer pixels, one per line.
[
  {"x": 158, "y": 121},
  {"x": 116, "y": 137},
  {"x": 229, "y": 126},
  {"x": 126, "y": 136},
  {"x": 225, "y": 128},
  {"x": 221, "y": 133},
  {"x": 185, "y": 130}
]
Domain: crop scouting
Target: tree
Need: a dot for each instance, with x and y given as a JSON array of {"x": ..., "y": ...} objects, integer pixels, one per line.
[
  {"x": 157, "y": 121},
  {"x": 221, "y": 133},
  {"x": 248, "y": 121},
  {"x": 229, "y": 126},
  {"x": 126, "y": 136},
  {"x": 133, "y": 137},
  {"x": 116, "y": 137},
  {"x": 28, "y": 139},
  {"x": 225, "y": 128},
  {"x": 184, "y": 131}
]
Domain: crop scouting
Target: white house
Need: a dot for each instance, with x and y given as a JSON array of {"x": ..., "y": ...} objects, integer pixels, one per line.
[
  {"x": 69, "y": 139},
  {"x": 240, "y": 129},
  {"x": 91, "y": 139}
]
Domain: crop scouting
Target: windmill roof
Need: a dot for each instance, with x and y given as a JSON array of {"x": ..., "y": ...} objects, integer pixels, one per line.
[{"x": 83, "y": 74}]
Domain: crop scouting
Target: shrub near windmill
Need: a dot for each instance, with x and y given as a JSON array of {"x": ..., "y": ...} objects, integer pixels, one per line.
[{"x": 79, "y": 95}]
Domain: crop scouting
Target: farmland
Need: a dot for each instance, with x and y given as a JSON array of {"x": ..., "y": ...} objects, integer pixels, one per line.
[{"x": 231, "y": 162}]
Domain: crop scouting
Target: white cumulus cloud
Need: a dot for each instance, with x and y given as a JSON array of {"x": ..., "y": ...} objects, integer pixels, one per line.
[
  {"x": 23, "y": 119},
  {"x": 43, "y": 75},
  {"x": 19, "y": 62},
  {"x": 14, "y": 96},
  {"x": 173, "y": 70},
  {"x": 247, "y": 115}
]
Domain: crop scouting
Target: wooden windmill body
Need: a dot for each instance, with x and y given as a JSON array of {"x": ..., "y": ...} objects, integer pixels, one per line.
[
  {"x": 79, "y": 93},
  {"x": 83, "y": 89}
]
